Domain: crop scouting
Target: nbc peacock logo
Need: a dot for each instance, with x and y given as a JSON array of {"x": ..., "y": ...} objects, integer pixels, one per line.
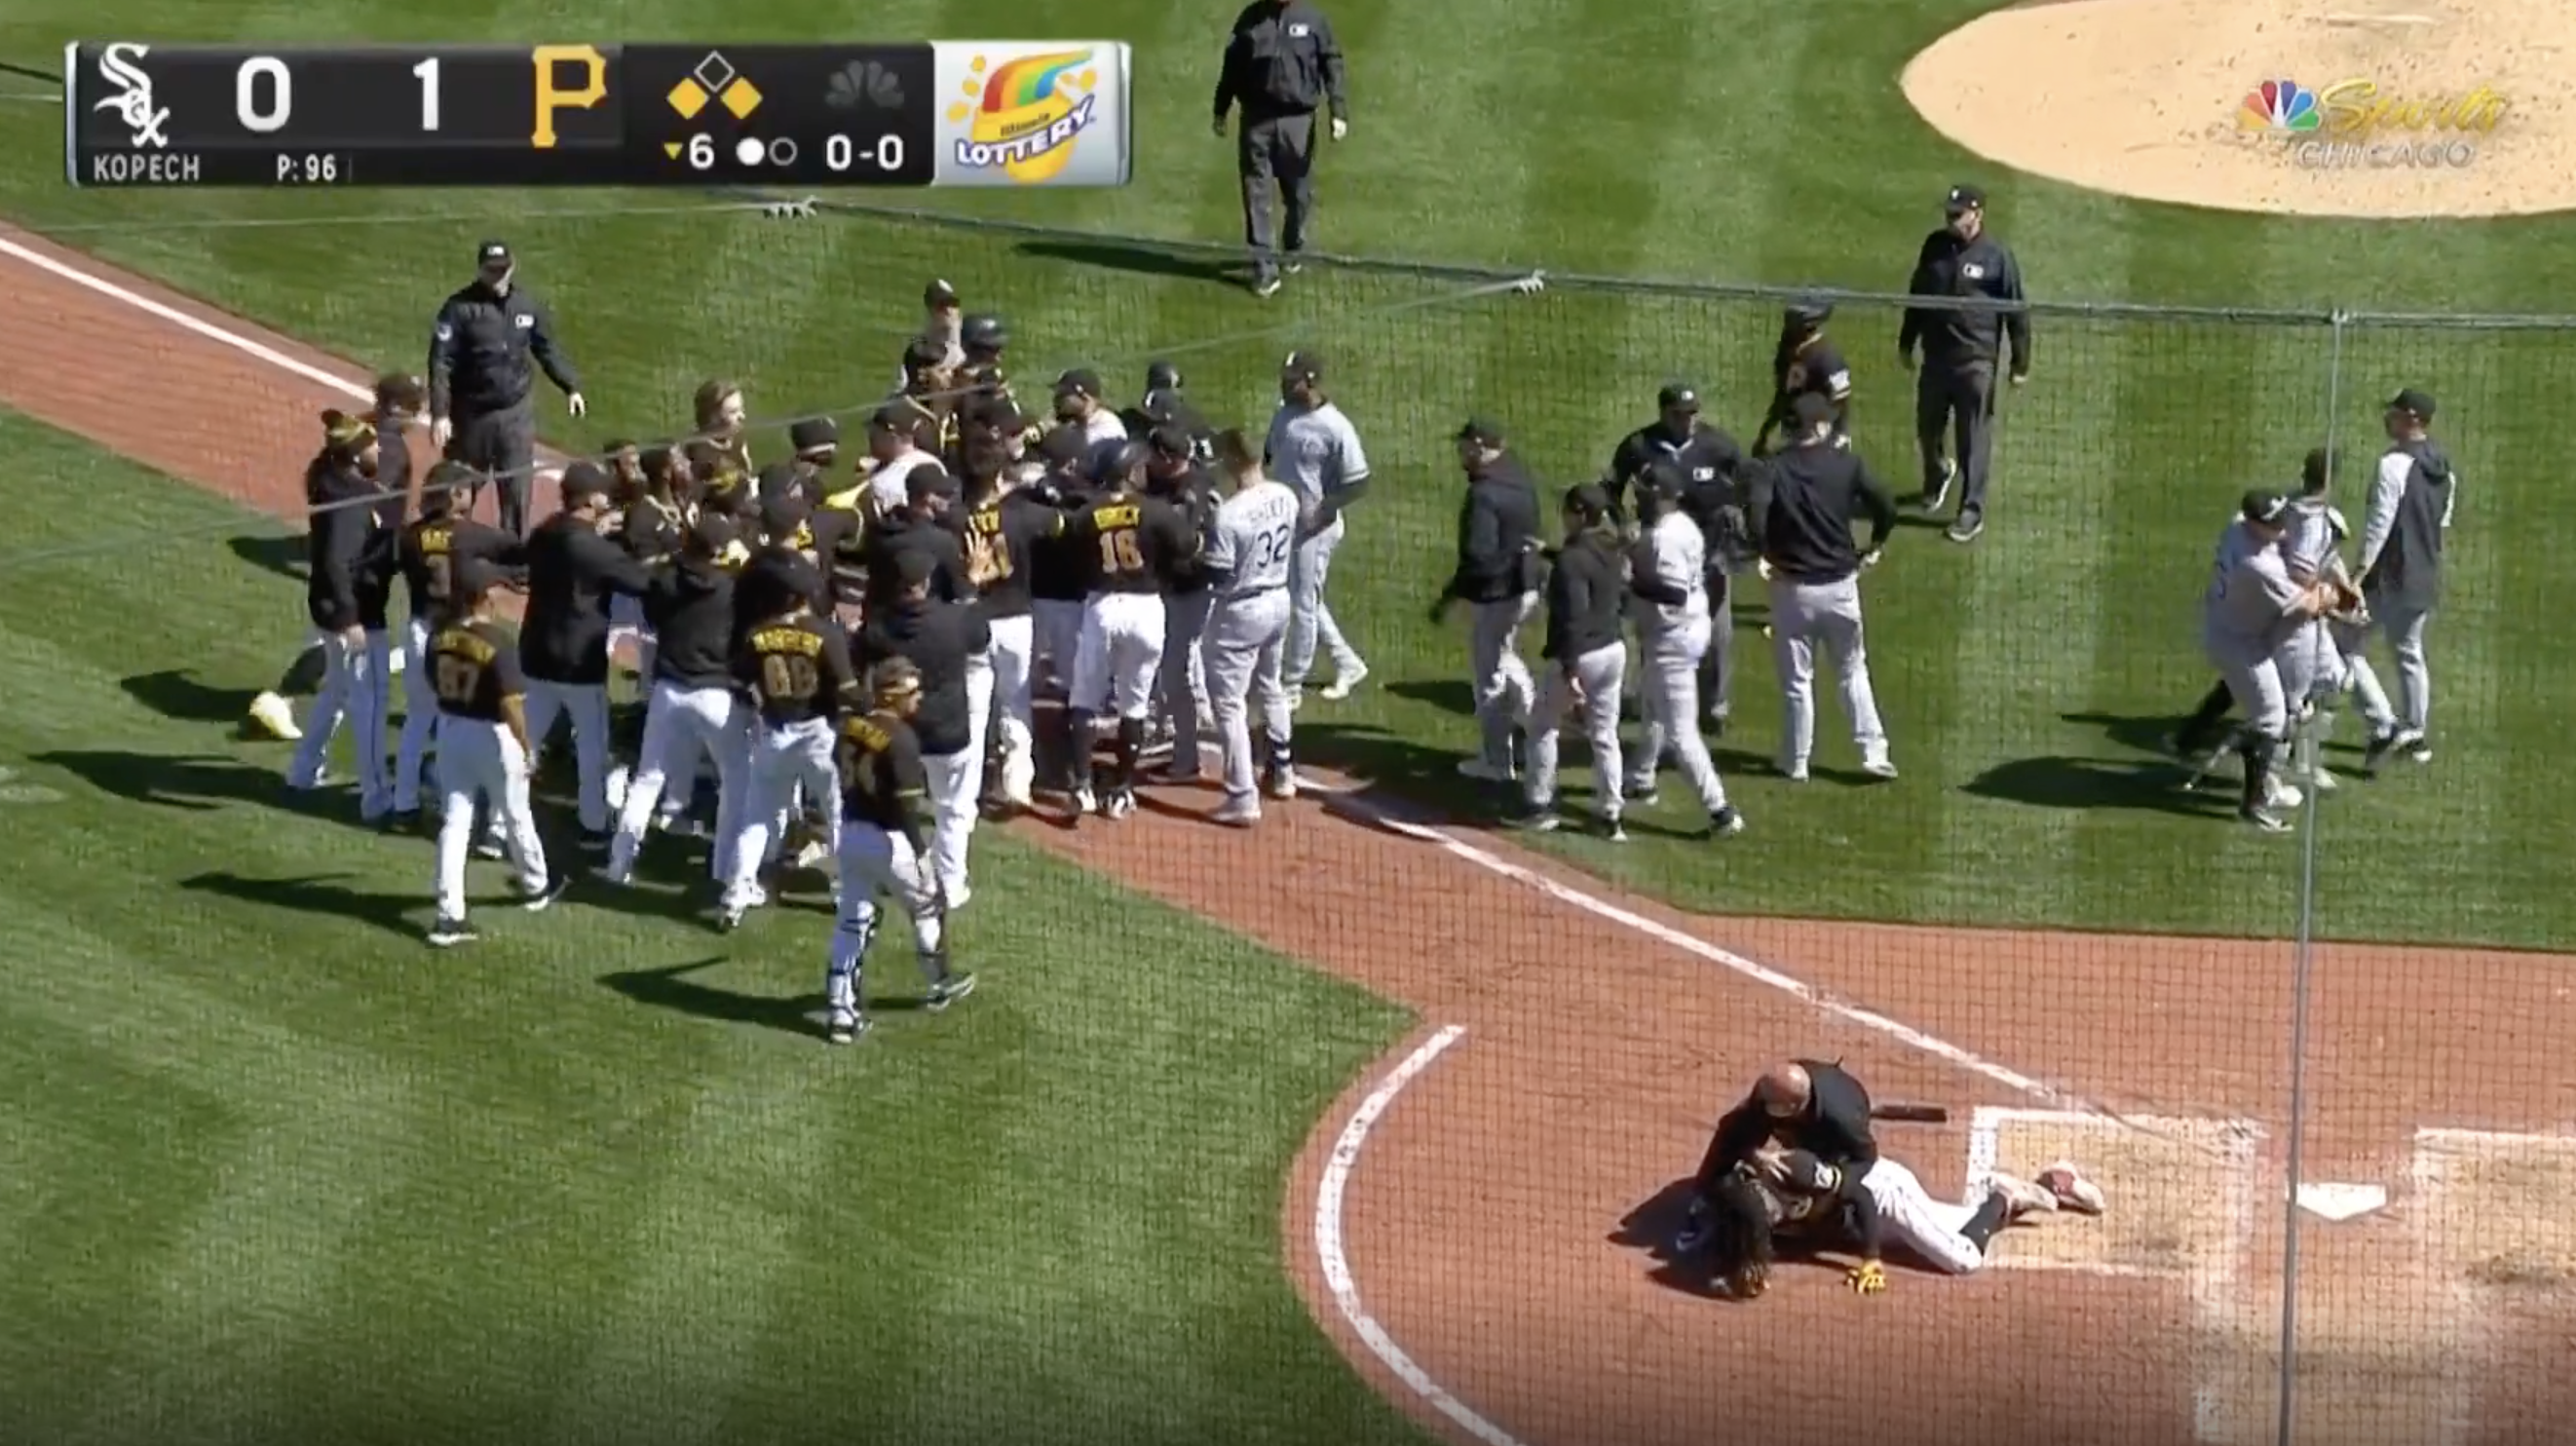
[
  {"x": 2279, "y": 105},
  {"x": 1025, "y": 115}
]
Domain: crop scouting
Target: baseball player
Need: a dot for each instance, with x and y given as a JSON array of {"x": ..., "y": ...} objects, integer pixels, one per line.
[
  {"x": 573, "y": 574},
  {"x": 927, "y": 393},
  {"x": 884, "y": 796},
  {"x": 483, "y": 755},
  {"x": 1667, "y": 570},
  {"x": 651, "y": 532},
  {"x": 1005, "y": 525},
  {"x": 1497, "y": 576},
  {"x": 721, "y": 415},
  {"x": 894, "y": 450},
  {"x": 1585, "y": 661},
  {"x": 692, "y": 708},
  {"x": 1716, "y": 467},
  {"x": 2411, "y": 499},
  {"x": 1164, "y": 404},
  {"x": 351, "y": 554},
  {"x": 1800, "y": 513},
  {"x": 794, "y": 671},
  {"x": 943, "y": 318},
  {"x": 1314, "y": 448},
  {"x": 942, "y": 639},
  {"x": 1806, "y": 361},
  {"x": 1247, "y": 564},
  {"x": 2250, "y": 612},
  {"x": 1078, "y": 406},
  {"x": 1173, "y": 474},
  {"x": 1058, "y": 574},
  {"x": 1132, "y": 544},
  {"x": 428, "y": 554}
]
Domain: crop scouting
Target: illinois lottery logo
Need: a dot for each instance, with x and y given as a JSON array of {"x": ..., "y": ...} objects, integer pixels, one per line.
[{"x": 1024, "y": 117}]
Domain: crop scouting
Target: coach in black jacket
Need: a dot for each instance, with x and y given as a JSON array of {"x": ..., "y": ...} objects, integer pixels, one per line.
[
  {"x": 1498, "y": 577},
  {"x": 484, "y": 352},
  {"x": 1281, "y": 65}
]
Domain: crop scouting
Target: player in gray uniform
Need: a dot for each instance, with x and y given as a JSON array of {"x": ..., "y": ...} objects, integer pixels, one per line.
[
  {"x": 2411, "y": 499},
  {"x": 1247, "y": 566},
  {"x": 1315, "y": 450},
  {"x": 1667, "y": 583},
  {"x": 2250, "y": 612}
]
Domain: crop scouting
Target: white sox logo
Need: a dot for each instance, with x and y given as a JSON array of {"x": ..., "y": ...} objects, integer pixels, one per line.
[{"x": 133, "y": 101}]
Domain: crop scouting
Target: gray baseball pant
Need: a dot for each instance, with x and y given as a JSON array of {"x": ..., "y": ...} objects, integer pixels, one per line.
[
  {"x": 1503, "y": 689},
  {"x": 1280, "y": 151},
  {"x": 1596, "y": 678},
  {"x": 1806, "y": 616},
  {"x": 1956, "y": 400}
]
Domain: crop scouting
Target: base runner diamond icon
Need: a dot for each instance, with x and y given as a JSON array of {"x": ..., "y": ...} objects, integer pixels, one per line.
[{"x": 714, "y": 72}]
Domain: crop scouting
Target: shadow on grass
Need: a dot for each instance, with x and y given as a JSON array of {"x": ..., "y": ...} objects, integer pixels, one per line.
[
  {"x": 319, "y": 894},
  {"x": 2146, "y": 734},
  {"x": 1135, "y": 260},
  {"x": 2097, "y": 783},
  {"x": 201, "y": 783},
  {"x": 173, "y": 693},
  {"x": 285, "y": 556},
  {"x": 671, "y": 987}
]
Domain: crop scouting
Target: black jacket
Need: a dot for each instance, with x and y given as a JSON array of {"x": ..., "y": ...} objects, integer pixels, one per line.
[
  {"x": 1498, "y": 523},
  {"x": 1709, "y": 456},
  {"x": 1951, "y": 337},
  {"x": 350, "y": 550},
  {"x": 1281, "y": 60},
  {"x": 1801, "y": 511},
  {"x": 897, "y": 533},
  {"x": 484, "y": 351},
  {"x": 572, "y": 572},
  {"x": 1585, "y": 598},
  {"x": 936, "y": 637},
  {"x": 690, "y": 606}
]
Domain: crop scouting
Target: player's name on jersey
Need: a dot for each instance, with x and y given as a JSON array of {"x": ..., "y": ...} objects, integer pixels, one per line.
[{"x": 145, "y": 168}]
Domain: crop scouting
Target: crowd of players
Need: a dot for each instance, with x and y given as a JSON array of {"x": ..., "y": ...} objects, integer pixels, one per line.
[{"x": 850, "y": 652}]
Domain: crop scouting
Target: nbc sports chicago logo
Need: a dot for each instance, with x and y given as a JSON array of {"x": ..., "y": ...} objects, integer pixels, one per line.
[
  {"x": 1024, "y": 117},
  {"x": 2358, "y": 124}
]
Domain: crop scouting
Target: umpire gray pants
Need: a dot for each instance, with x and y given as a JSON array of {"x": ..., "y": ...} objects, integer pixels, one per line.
[
  {"x": 1278, "y": 151},
  {"x": 1500, "y": 681},
  {"x": 1956, "y": 400},
  {"x": 504, "y": 445},
  {"x": 1806, "y": 616}
]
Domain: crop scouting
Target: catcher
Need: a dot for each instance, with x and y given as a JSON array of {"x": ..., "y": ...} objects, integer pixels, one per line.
[{"x": 1790, "y": 1197}]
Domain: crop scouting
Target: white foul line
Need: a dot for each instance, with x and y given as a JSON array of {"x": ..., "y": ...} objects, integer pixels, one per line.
[
  {"x": 1337, "y": 1266},
  {"x": 185, "y": 322}
]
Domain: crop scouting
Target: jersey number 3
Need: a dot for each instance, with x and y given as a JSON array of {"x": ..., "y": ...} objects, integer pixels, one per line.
[{"x": 1119, "y": 554}]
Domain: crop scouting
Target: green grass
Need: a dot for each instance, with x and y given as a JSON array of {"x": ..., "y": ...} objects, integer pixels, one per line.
[
  {"x": 275, "y": 1171},
  {"x": 2022, "y": 679}
]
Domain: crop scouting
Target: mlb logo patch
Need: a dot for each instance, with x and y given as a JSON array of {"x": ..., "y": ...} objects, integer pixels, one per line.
[
  {"x": 524, "y": 322},
  {"x": 1703, "y": 474},
  {"x": 1973, "y": 273},
  {"x": 1297, "y": 32}
]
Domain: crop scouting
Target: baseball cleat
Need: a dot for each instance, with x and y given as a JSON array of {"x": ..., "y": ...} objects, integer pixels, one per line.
[
  {"x": 273, "y": 715},
  {"x": 2278, "y": 794},
  {"x": 2380, "y": 746},
  {"x": 1792, "y": 771},
  {"x": 1696, "y": 1231},
  {"x": 948, "y": 991},
  {"x": 2421, "y": 752},
  {"x": 2321, "y": 779},
  {"x": 730, "y": 919},
  {"x": 447, "y": 933},
  {"x": 2268, "y": 823},
  {"x": 1265, "y": 285},
  {"x": 1536, "y": 820},
  {"x": 1177, "y": 774},
  {"x": 1933, "y": 497},
  {"x": 1242, "y": 812},
  {"x": 1966, "y": 528},
  {"x": 489, "y": 847},
  {"x": 1281, "y": 784},
  {"x": 1878, "y": 767},
  {"x": 2021, "y": 1197},
  {"x": 846, "y": 1026},
  {"x": 1342, "y": 684},
  {"x": 2072, "y": 1191},
  {"x": 615, "y": 786},
  {"x": 546, "y": 894},
  {"x": 1120, "y": 804},
  {"x": 1642, "y": 794},
  {"x": 1486, "y": 771},
  {"x": 1725, "y": 823},
  {"x": 1613, "y": 831},
  {"x": 1084, "y": 800},
  {"x": 959, "y": 897}
]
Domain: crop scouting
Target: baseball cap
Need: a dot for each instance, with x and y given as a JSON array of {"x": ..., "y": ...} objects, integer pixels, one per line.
[
  {"x": 2416, "y": 400},
  {"x": 585, "y": 480},
  {"x": 1162, "y": 376},
  {"x": 1964, "y": 198},
  {"x": 782, "y": 513},
  {"x": 924, "y": 352},
  {"x": 1302, "y": 366},
  {"x": 778, "y": 479},
  {"x": 1160, "y": 405},
  {"x": 1591, "y": 497},
  {"x": 492, "y": 255},
  {"x": 1677, "y": 397},
  {"x": 1080, "y": 382},
  {"x": 2262, "y": 506},
  {"x": 812, "y": 434},
  {"x": 1810, "y": 409},
  {"x": 1172, "y": 440},
  {"x": 927, "y": 481},
  {"x": 892, "y": 418},
  {"x": 1810, "y": 311},
  {"x": 1483, "y": 431},
  {"x": 939, "y": 294},
  {"x": 1063, "y": 448}
]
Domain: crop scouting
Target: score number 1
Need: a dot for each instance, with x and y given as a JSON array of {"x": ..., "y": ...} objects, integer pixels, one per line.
[{"x": 266, "y": 114}]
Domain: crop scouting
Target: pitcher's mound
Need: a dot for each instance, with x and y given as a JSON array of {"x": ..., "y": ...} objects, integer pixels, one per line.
[{"x": 2311, "y": 107}]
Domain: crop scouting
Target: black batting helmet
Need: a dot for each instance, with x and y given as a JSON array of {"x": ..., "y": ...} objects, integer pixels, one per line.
[
  {"x": 1162, "y": 376},
  {"x": 1811, "y": 311},
  {"x": 1119, "y": 463},
  {"x": 984, "y": 334}
]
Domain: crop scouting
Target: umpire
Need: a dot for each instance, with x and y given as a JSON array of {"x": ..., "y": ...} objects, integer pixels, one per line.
[
  {"x": 1961, "y": 345},
  {"x": 480, "y": 377},
  {"x": 1281, "y": 65}
]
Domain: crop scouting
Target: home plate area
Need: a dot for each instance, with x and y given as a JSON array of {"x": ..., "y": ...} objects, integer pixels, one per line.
[{"x": 2404, "y": 1309}]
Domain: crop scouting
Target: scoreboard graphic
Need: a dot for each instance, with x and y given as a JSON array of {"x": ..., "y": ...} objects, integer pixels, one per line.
[{"x": 943, "y": 113}]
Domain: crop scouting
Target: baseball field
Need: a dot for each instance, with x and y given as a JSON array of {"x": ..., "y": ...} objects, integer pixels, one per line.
[{"x": 1358, "y": 1126}]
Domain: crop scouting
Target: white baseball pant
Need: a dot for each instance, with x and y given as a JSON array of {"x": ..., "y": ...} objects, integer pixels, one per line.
[
  {"x": 1928, "y": 1227},
  {"x": 586, "y": 704},
  {"x": 1804, "y": 616},
  {"x": 626, "y": 620},
  {"x": 783, "y": 760},
  {"x": 1011, "y": 661},
  {"x": 957, "y": 785},
  {"x": 354, "y": 690},
  {"x": 1310, "y": 618},
  {"x": 1596, "y": 676},
  {"x": 2256, "y": 686},
  {"x": 1503, "y": 688},
  {"x": 2403, "y": 625},
  {"x": 876, "y": 864},
  {"x": 1246, "y": 637},
  {"x": 480, "y": 762},
  {"x": 1668, "y": 701},
  {"x": 2352, "y": 643},
  {"x": 420, "y": 717},
  {"x": 680, "y": 725},
  {"x": 1119, "y": 651}
]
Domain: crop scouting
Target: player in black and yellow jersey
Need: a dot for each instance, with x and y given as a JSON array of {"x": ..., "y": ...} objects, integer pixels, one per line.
[
  {"x": 884, "y": 852},
  {"x": 794, "y": 669},
  {"x": 1132, "y": 546},
  {"x": 483, "y": 753}
]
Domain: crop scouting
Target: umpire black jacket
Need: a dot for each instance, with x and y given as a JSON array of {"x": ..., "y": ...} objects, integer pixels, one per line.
[
  {"x": 1952, "y": 337},
  {"x": 1281, "y": 60},
  {"x": 484, "y": 352},
  {"x": 1708, "y": 457},
  {"x": 1498, "y": 523}
]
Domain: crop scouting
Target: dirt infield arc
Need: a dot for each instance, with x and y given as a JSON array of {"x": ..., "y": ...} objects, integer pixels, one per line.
[{"x": 1461, "y": 1222}]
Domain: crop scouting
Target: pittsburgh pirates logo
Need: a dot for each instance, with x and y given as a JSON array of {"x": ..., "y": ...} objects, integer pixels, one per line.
[{"x": 133, "y": 100}]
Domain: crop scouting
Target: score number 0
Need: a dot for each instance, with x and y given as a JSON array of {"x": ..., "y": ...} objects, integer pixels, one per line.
[{"x": 264, "y": 94}]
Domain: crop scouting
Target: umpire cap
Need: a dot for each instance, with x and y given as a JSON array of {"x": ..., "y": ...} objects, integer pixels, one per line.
[
  {"x": 1677, "y": 397},
  {"x": 1160, "y": 405},
  {"x": 1964, "y": 198},
  {"x": 939, "y": 296}
]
